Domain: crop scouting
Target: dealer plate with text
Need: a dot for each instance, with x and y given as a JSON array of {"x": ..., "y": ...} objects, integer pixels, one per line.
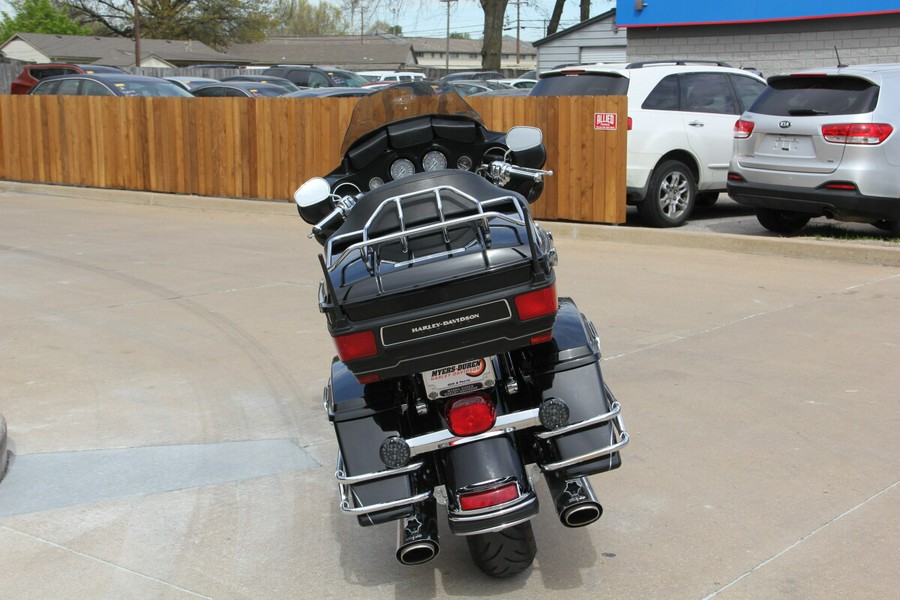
[{"x": 461, "y": 378}]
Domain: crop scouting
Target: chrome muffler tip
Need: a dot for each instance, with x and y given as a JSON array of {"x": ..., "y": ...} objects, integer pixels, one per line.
[
  {"x": 575, "y": 501},
  {"x": 417, "y": 536}
]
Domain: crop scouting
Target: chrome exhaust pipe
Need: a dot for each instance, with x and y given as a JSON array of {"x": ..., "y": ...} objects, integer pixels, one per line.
[
  {"x": 575, "y": 500},
  {"x": 417, "y": 536}
]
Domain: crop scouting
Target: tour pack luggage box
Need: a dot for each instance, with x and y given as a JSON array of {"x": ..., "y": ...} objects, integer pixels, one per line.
[{"x": 436, "y": 277}]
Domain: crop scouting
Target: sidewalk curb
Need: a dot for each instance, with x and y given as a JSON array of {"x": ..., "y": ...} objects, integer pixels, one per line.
[{"x": 859, "y": 253}]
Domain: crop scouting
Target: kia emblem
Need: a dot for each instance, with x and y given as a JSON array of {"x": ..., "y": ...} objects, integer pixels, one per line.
[{"x": 784, "y": 124}]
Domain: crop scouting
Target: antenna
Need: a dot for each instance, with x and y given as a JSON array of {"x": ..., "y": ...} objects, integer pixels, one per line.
[{"x": 840, "y": 64}]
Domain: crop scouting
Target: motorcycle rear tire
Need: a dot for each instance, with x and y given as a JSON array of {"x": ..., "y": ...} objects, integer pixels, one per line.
[{"x": 504, "y": 553}]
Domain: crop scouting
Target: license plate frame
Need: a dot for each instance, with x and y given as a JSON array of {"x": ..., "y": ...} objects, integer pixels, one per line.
[{"x": 460, "y": 378}]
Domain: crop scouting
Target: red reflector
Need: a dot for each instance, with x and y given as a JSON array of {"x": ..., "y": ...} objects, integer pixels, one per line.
[
  {"x": 541, "y": 338},
  {"x": 364, "y": 379},
  {"x": 836, "y": 185},
  {"x": 537, "y": 304},
  {"x": 735, "y": 177},
  {"x": 867, "y": 134},
  {"x": 476, "y": 500},
  {"x": 356, "y": 345},
  {"x": 743, "y": 129},
  {"x": 630, "y": 124},
  {"x": 470, "y": 415}
]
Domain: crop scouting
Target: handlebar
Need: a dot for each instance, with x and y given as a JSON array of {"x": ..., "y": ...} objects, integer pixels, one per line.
[{"x": 501, "y": 172}]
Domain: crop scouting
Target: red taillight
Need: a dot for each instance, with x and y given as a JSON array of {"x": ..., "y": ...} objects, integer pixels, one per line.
[
  {"x": 866, "y": 134},
  {"x": 630, "y": 124},
  {"x": 541, "y": 338},
  {"x": 537, "y": 304},
  {"x": 743, "y": 129},
  {"x": 840, "y": 185},
  {"x": 356, "y": 345},
  {"x": 364, "y": 379},
  {"x": 493, "y": 497},
  {"x": 470, "y": 415}
]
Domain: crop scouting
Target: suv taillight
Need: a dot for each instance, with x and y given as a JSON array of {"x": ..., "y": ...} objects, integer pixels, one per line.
[
  {"x": 743, "y": 129},
  {"x": 866, "y": 134}
]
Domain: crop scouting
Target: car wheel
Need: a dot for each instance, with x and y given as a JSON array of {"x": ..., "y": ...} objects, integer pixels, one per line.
[
  {"x": 671, "y": 196},
  {"x": 706, "y": 198},
  {"x": 781, "y": 221}
]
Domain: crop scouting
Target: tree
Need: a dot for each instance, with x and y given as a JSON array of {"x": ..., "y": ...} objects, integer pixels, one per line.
[
  {"x": 300, "y": 17},
  {"x": 493, "y": 33},
  {"x": 216, "y": 23},
  {"x": 38, "y": 16}
]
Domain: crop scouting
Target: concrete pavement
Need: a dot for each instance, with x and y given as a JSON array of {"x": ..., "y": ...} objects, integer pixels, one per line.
[{"x": 161, "y": 369}]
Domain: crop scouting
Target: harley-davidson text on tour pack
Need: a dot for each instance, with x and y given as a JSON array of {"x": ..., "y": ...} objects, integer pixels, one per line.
[{"x": 460, "y": 375}]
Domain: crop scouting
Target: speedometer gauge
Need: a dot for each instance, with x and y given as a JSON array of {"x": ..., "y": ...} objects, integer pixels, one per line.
[
  {"x": 401, "y": 168},
  {"x": 434, "y": 161},
  {"x": 464, "y": 163}
]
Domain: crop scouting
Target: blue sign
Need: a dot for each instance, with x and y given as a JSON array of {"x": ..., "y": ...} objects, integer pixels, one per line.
[{"x": 659, "y": 13}]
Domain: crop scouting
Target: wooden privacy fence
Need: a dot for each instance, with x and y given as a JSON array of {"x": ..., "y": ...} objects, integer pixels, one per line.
[{"x": 265, "y": 147}]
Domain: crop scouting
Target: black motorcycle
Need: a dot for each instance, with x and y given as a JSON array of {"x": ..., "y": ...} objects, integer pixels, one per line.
[{"x": 460, "y": 375}]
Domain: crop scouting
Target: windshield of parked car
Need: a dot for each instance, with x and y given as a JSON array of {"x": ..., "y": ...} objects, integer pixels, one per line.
[
  {"x": 346, "y": 79},
  {"x": 811, "y": 95},
  {"x": 581, "y": 84},
  {"x": 147, "y": 88},
  {"x": 404, "y": 101}
]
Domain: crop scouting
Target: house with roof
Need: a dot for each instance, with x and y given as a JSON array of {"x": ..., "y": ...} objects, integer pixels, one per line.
[
  {"x": 596, "y": 40},
  {"x": 113, "y": 51},
  {"x": 364, "y": 52},
  {"x": 465, "y": 54}
]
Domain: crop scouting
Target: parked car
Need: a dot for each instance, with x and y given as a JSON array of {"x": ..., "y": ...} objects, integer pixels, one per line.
[
  {"x": 504, "y": 92},
  {"x": 332, "y": 92},
  {"x": 821, "y": 142},
  {"x": 469, "y": 87},
  {"x": 390, "y": 76},
  {"x": 680, "y": 117},
  {"x": 238, "y": 89},
  {"x": 31, "y": 74},
  {"x": 472, "y": 76},
  {"x": 316, "y": 77},
  {"x": 107, "y": 84},
  {"x": 525, "y": 84},
  {"x": 279, "y": 81},
  {"x": 189, "y": 83}
]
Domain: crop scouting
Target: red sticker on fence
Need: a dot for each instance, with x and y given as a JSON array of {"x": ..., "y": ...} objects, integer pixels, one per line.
[{"x": 605, "y": 121}]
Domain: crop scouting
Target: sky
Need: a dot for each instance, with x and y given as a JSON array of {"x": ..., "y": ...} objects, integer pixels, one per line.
[{"x": 428, "y": 18}]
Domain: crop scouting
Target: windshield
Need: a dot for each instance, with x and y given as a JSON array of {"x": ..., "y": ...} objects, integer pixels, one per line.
[{"x": 404, "y": 101}]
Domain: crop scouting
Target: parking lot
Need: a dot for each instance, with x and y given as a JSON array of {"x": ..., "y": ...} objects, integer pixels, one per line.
[{"x": 161, "y": 370}]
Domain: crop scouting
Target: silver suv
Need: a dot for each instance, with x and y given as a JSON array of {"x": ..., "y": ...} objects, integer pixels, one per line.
[
  {"x": 821, "y": 142},
  {"x": 681, "y": 115}
]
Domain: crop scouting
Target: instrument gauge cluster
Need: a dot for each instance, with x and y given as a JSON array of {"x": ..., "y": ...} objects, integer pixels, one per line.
[
  {"x": 402, "y": 167},
  {"x": 434, "y": 160}
]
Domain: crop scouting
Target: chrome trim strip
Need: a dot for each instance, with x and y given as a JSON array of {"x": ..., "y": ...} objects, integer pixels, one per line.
[
  {"x": 498, "y": 527},
  {"x": 368, "y": 477},
  {"x": 502, "y": 509},
  {"x": 371, "y": 508},
  {"x": 444, "y": 438}
]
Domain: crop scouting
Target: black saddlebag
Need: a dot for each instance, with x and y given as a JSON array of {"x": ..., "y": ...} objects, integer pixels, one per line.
[
  {"x": 568, "y": 368},
  {"x": 437, "y": 276},
  {"x": 363, "y": 417}
]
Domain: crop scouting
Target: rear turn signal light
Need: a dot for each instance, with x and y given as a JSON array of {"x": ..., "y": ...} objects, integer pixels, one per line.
[
  {"x": 470, "y": 415},
  {"x": 865, "y": 134},
  {"x": 356, "y": 345},
  {"x": 537, "y": 304},
  {"x": 493, "y": 497},
  {"x": 743, "y": 129}
]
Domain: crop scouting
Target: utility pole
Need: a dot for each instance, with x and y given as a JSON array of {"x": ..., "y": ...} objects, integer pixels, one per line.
[
  {"x": 447, "y": 55},
  {"x": 137, "y": 33}
]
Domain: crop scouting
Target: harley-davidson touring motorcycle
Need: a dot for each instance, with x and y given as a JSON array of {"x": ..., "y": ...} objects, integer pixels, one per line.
[{"x": 460, "y": 376}]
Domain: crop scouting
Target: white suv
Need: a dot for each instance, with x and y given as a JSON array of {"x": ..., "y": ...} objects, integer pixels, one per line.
[{"x": 681, "y": 116}]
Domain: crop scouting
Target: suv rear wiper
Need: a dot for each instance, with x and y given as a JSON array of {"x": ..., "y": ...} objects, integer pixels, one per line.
[{"x": 806, "y": 112}]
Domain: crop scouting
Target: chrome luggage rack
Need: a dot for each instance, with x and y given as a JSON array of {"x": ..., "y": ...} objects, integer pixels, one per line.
[{"x": 365, "y": 246}]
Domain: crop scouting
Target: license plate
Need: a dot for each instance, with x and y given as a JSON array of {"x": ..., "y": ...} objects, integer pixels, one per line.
[
  {"x": 461, "y": 378},
  {"x": 786, "y": 144}
]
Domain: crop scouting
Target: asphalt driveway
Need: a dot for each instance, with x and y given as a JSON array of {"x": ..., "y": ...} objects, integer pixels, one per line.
[{"x": 161, "y": 370}]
